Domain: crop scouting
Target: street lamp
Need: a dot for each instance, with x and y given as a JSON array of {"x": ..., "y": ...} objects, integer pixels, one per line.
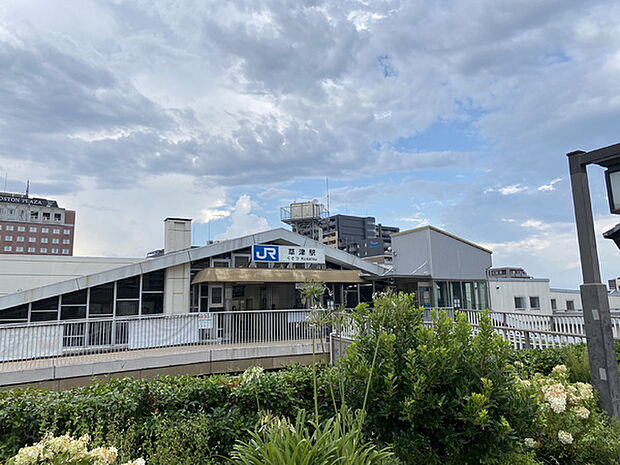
[
  {"x": 596, "y": 315},
  {"x": 612, "y": 179}
]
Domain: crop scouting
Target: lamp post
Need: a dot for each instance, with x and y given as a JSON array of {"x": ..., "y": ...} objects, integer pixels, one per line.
[{"x": 596, "y": 314}]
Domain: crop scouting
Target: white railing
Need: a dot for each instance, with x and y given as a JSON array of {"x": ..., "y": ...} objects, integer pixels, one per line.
[
  {"x": 522, "y": 330},
  {"x": 103, "y": 335}
]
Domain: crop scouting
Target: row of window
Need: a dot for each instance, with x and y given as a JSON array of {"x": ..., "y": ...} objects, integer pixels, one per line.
[
  {"x": 9, "y": 248},
  {"x": 34, "y": 215},
  {"x": 137, "y": 295},
  {"x": 521, "y": 303},
  {"x": 34, "y": 229},
  {"x": 44, "y": 240}
]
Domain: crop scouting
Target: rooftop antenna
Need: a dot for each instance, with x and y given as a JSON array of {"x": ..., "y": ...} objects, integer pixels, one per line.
[
  {"x": 27, "y": 188},
  {"x": 327, "y": 190}
]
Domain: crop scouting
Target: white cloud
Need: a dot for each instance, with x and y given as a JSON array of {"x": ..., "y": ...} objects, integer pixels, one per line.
[
  {"x": 550, "y": 186},
  {"x": 535, "y": 224},
  {"x": 243, "y": 221},
  {"x": 507, "y": 190}
]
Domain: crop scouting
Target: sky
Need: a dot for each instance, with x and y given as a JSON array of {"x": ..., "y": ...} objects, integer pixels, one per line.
[{"x": 457, "y": 114}]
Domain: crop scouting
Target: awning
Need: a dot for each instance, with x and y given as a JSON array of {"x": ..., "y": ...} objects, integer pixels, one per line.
[{"x": 275, "y": 275}]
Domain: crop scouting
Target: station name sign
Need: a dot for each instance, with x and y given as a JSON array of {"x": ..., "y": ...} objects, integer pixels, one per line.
[
  {"x": 287, "y": 254},
  {"x": 27, "y": 201}
]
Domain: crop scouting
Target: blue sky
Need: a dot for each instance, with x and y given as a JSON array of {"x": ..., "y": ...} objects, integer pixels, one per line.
[{"x": 456, "y": 114}]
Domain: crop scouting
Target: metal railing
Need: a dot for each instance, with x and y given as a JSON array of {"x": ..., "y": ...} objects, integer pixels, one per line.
[{"x": 103, "y": 335}]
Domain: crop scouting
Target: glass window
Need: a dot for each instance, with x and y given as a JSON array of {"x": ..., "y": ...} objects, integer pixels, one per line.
[
  {"x": 20, "y": 238},
  {"x": 535, "y": 303},
  {"x": 153, "y": 281},
  {"x": 46, "y": 215},
  {"x": 152, "y": 304},
  {"x": 457, "y": 295},
  {"x": 54, "y": 250},
  {"x": 19, "y": 249},
  {"x": 74, "y": 298},
  {"x": 9, "y": 228},
  {"x": 442, "y": 294},
  {"x": 242, "y": 261},
  {"x": 50, "y": 303},
  {"x": 554, "y": 304},
  {"x": 44, "y": 310},
  {"x": 66, "y": 241},
  {"x": 520, "y": 303},
  {"x": 101, "y": 298},
  {"x": 32, "y": 249},
  {"x": 45, "y": 230},
  {"x": 65, "y": 251},
  {"x": 128, "y": 288},
  {"x": 217, "y": 294},
  {"x": 127, "y": 307},
  {"x": 66, "y": 231},
  {"x": 220, "y": 264},
  {"x": 55, "y": 241},
  {"x": 570, "y": 305},
  {"x": 8, "y": 248},
  {"x": 57, "y": 217},
  {"x": 21, "y": 228},
  {"x": 34, "y": 215},
  {"x": 8, "y": 238},
  {"x": 43, "y": 249},
  {"x": 14, "y": 314},
  {"x": 56, "y": 231},
  {"x": 72, "y": 312},
  {"x": 44, "y": 240},
  {"x": 32, "y": 239},
  {"x": 32, "y": 229}
]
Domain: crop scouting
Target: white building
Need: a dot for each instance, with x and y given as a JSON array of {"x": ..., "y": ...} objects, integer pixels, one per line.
[{"x": 535, "y": 295}]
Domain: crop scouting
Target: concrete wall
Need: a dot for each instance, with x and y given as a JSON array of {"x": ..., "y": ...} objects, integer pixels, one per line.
[
  {"x": 21, "y": 272},
  {"x": 177, "y": 236},
  {"x": 503, "y": 292}
]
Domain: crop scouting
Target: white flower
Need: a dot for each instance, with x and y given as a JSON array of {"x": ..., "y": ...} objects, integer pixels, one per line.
[
  {"x": 555, "y": 395},
  {"x": 139, "y": 461},
  {"x": 565, "y": 437},
  {"x": 559, "y": 369},
  {"x": 529, "y": 442},
  {"x": 582, "y": 412},
  {"x": 519, "y": 364},
  {"x": 251, "y": 374},
  {"x": 584, "y": 391}
]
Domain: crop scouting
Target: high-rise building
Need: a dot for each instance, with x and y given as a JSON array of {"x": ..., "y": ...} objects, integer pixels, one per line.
[{"x": 35, "y": 226}]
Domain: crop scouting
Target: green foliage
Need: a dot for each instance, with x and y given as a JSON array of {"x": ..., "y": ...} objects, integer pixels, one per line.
[
  {"x": 569, "y": 427},
  {"x": 574, "y": 357},
  {"x": 441, "y": 394},
  {"x": 337, "y": 440},
  {"x": 150, "y": 418}
]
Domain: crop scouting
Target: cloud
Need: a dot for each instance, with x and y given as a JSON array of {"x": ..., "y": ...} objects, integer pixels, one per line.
[
  {"x": 507, "y": 190},
  {"x": 550, "y": 186},
  {"x": 535, "y": 224},
  {"x": 243, "y": 221}
]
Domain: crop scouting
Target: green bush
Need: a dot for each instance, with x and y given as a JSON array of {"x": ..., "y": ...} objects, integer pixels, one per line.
[
  {"x": 441, "y": 394},
  {"x": 136, "y": 415}
]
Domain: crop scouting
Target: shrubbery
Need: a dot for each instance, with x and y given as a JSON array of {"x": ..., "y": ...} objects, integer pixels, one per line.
[{"x": 446, "y": 394}]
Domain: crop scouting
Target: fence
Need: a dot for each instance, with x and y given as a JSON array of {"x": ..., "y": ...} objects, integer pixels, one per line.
[
  {"x": 522, "y": 330},
  {"x": 93, "y": 336}
]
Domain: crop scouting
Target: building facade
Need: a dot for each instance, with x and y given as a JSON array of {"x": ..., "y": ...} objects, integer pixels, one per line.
[
  {"x": 225, "y": 276},
  {"x": 443, "y": 270},
  {"x": 35, "y": 226}
]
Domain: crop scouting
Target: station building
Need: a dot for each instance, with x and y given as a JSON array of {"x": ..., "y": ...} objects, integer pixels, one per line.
[{"x": 223, "y": 276}]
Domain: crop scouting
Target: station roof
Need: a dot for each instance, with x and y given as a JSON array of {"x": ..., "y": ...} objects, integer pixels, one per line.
[{"x": 278, "y": 236}]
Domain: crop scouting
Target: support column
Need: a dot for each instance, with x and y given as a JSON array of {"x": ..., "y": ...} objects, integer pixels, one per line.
[{"x": 596, "y": 314}]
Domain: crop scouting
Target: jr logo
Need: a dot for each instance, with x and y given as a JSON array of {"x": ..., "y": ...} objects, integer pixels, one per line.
[{"x": 265, "y": 253}]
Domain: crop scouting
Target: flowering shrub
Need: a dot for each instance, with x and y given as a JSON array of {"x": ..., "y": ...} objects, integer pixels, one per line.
[
  {"x": 66, "y": 451},
  {"x": 570, "y": 428}
]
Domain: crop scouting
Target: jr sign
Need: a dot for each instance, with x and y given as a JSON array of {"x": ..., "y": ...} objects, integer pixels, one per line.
[{"x": 287, "y": 254}]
